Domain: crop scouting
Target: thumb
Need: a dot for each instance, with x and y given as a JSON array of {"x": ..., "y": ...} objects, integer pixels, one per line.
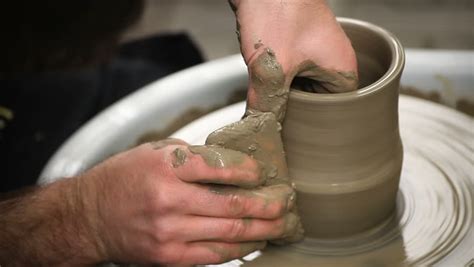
[{"x": 268, "y": 85}]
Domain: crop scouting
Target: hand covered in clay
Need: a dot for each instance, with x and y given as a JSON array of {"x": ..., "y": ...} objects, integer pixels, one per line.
[
  {"x": 281, "y": 40},
  {"x": 170, "y": 203}
]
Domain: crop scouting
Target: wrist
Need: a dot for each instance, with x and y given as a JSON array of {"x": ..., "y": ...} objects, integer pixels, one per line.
[
  {"x": 83, "y": 201},
  {"x": 76, "y": 220}
]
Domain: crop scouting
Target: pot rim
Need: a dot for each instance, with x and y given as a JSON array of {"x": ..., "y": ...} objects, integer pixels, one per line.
[{"x": 394, "y": 70}]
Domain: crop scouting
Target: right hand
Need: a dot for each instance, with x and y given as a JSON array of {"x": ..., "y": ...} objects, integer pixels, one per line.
[
  {"x": 295, "y": 43},
  {"x": 159, "y": 203}
]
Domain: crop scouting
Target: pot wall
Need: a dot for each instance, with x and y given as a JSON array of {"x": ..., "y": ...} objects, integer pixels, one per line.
[{"x": 344, "y": 150}]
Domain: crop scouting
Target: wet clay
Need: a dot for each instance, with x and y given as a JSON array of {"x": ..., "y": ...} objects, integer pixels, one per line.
[
  {"x": 314, "y": 79},
  {"x": 345, "y": 159},
  {"x": 344, "y": 150},
  {"x": 258, "y": 135},
  {"x": 271, "y": 87},
  {"x": 218, "y": 157},
  {"x": 270, "y": 194},
  {"x": 464, "y": 105},
  {"x": 188, "y": 116},
  {"x": 179, "y": 157},
  {"x": 433, "y": 221}
]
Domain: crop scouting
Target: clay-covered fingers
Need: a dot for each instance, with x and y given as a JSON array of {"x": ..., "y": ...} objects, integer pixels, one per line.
[
  {"x": 235, "y": 230},
  {"x": 216, "y": 165},
  {"x": 268, "y": 85},
  {"x": 269, "y": 202}
]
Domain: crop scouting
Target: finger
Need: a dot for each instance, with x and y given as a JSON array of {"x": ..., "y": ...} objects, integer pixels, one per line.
[
  {"x": 216, "y": 165},
  {"x": 268, "y": 88},
  {"x": 219, "y": 252},
  {"x": 198, "y": 228},
  {"x": 269, "y": 202}
]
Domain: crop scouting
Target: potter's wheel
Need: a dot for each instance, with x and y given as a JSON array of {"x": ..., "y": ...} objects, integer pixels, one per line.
[
  {"x": 434, "y": 218},
  {"x": 435, "y": 203}
]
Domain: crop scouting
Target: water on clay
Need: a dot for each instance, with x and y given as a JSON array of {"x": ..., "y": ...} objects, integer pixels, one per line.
[{"x": 433, "y": 223}]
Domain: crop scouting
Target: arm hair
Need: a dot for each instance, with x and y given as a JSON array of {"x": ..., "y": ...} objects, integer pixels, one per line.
[{"x": 47, "y": 226}]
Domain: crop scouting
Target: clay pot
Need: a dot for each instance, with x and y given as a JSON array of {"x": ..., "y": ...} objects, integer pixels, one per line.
[{"x": 344, "y": 150}]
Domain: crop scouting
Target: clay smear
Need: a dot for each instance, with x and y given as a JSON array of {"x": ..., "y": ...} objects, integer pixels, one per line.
[{"x": 314, "y": 79}]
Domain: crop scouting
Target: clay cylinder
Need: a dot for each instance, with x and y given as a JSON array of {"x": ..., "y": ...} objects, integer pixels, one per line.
[{"x": 344, "y": 150}]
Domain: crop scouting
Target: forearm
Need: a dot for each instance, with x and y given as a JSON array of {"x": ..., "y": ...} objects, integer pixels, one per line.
[{"x": 47, "y": 226}]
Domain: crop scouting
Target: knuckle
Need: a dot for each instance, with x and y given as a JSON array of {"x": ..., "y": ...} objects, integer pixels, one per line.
[
  {"x": 276, "y": 210},
  {"x": 260, "y": 71},
  {"x": 163, "y": 202},
  {"x": 236, "y": 205},
  {"x": 237, "y": 229},
  {"x": 163, "y": 232},
  {"x": 227, "y": 174}
]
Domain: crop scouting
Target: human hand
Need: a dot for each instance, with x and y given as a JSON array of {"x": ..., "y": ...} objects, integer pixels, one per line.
[
  {"x": 171, "y": 203},
  {"x": 281, "y": 40}
]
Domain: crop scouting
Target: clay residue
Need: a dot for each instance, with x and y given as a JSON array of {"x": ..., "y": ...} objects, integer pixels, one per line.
[
  {"x": 179, "y": 157},
  {"x": 315, "y": 79},
  {"x": 268, "y": 81},
  {"x": 218, "y": 157},
  {"x": 293, "y": 229},
  {"x": 189, "y": 116},
  {"x": 463, "y": 105},
  {"x": 416, "y": 92},
  {"x": 258, "y": 44},
  {"x": 258, "y": 135},
  {"x": 270, "y": 194},
  {"x": 271, "y": 85}
]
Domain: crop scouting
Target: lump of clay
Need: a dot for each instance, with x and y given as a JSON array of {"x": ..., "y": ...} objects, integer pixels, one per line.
[{"x": 258, "y": 135}]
